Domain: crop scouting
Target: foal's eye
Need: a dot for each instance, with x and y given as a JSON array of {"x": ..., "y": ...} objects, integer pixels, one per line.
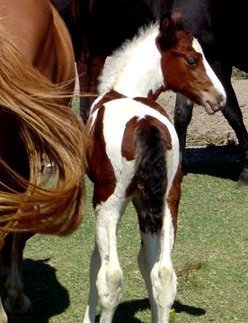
[{"x": 191, "y": 60}]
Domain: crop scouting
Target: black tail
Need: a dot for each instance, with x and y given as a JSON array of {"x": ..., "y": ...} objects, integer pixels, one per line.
[{"x": 151, "y": 176}]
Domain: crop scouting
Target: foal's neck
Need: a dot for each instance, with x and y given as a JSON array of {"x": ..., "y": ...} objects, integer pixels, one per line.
[{"x": 134, "y": 70}]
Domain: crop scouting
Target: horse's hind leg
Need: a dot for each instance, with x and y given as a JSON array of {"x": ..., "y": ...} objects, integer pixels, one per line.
[
  {"x": 16, "y": 301},
  {"x": 233, "y": 115}
]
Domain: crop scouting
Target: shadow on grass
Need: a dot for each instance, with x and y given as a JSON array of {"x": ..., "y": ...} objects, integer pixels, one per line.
[
  {"x": 218, "y": 161},
  {"x": 126, "y": 311},
  {"x": 50, "y": 298},
  {"x": 189, "y": 309},
  {"x": 47, "y": 295}
]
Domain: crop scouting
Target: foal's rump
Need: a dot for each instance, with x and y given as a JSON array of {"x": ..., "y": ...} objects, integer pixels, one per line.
[{"x": 141, "y": 155}]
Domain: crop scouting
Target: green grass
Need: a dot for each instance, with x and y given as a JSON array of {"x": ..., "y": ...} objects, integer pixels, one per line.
[{"x": 210, "y": 258}]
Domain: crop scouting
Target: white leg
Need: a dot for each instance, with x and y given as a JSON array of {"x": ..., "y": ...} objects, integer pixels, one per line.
[
  {"x": 109, "y": 277},
  {"x": 90, "y": 312},
  {"x": 3, "y": 316},
  {"x": 147, "y": 257},
  {"x": 163, "y": 277},
  {"x": 156, "y": 268},
  {"x": 106, "y": 273}
]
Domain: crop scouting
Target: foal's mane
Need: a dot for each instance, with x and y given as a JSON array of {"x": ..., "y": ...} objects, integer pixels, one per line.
[
  {"x": 46, "y": 126},
  {"x": 129, "y": 50}
]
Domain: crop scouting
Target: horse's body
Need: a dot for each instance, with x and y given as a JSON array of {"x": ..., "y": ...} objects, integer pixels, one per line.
[
  {"x": 217, "y": 24},
  {"x": 138, "y": 150},
  {"x": 36, "y": 54}
]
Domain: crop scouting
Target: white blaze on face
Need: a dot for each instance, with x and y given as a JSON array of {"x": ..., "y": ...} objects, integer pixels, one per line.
[{"x": 214, "y": 79}]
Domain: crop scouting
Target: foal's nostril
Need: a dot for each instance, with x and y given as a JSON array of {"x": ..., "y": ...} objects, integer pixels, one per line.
[{"x": 222, "y": 100}]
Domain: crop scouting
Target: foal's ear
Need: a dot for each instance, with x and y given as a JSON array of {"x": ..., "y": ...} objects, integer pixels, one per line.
[{"x": 169, "y": 24}]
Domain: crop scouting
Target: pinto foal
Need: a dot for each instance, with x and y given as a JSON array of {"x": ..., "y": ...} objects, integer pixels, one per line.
[{"x": 133, "y": 156}]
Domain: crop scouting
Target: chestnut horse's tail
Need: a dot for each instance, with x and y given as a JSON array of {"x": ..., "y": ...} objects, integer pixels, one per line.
[{"x": 47, "y": 128}]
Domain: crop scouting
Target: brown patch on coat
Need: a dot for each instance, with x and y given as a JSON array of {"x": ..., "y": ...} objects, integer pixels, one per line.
[
  {"x": 128, "y": 148},
  {"x": 111, "y": 95},
  {"x": 154, "y": 95},
  {"x": 174, "y": 196},
  {"x": 100, "y": 169},
  {"x": 128, "y": 140}
]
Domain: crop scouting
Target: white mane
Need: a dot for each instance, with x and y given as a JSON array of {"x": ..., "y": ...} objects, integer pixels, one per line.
[{"x": 133, "y": 65}]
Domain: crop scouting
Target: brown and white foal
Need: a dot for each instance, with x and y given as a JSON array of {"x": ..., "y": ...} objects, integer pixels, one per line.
[{"x": 134, "y": 156}]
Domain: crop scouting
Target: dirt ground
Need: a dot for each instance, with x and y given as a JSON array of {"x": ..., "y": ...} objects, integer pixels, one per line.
[{"x": 206, "y": 130}]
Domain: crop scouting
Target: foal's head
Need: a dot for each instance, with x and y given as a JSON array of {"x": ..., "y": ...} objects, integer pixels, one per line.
[{"x": 185, "y": 68}]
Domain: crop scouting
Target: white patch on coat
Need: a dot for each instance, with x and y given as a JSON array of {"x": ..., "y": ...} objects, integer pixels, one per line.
[
  {"x": 117, "y": 114},
  {"x": 214, "y": 79},
  {"x": 131, "y": 68}
]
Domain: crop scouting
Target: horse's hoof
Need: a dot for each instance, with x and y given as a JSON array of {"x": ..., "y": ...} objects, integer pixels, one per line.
[
  {"x": 243, "y": 178},
  {"x": 19, "y": 305}
]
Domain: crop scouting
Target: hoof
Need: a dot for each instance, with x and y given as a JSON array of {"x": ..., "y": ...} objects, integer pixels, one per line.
[
  {"x": 243, "y": 178},
  {"x": 20, "y": 305}
]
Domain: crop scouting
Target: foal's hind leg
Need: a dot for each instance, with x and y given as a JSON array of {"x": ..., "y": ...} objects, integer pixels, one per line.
[
  {"x": 156, "y": 267},
  {"x": 109, "y": 277},
  {"x": 147, "y": 257}
]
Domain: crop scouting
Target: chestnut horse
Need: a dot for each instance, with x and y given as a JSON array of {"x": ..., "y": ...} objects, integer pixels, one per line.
[
  {"x": 36, "y": 83},
  {"x": 133, "y": 155}
]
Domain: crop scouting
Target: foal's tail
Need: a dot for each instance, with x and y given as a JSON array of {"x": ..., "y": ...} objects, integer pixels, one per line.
[
  {"x": 151, "y": 175},
  {"x": 48, "y": 128}
]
